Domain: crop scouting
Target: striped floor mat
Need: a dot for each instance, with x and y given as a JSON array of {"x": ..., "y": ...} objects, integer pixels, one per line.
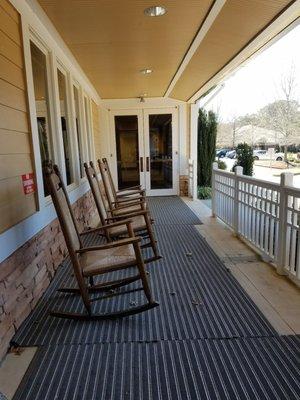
[
  {"x": 261, "y": 368},
  {"x": 206, "y": 340},
  {"x": 171, "y": 211},
  {"x": 198, "y": 298}
]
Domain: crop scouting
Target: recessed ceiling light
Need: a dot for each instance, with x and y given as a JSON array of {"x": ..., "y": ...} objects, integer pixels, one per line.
[
  {"x": 155, "y": 11},
  {"x": 146, "y": 71}
]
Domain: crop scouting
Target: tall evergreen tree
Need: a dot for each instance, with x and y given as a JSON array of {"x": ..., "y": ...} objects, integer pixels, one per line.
[
  {"x": 207, "y": 135},
  {"x": 244, "y": 158}
]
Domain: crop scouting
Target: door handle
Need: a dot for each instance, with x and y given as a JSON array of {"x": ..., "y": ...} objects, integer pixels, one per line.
[
  {"x": 147, "y": 164},
  {"x": 141, "y": 164}
]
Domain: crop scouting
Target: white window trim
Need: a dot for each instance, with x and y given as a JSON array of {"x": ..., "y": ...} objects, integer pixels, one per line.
[
  {"x": 27, "y": 38},
  {"x": 60, "y": 67},
  {"x": 89, "y": 126},
  {"x": 81, "y": 128},
  {"x": 72, "y": 83}
]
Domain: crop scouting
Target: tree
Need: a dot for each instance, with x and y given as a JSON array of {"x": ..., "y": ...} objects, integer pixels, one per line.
[
  {"x": 207, "y": 135},
  {"x": 283, "y": 115},
  {"x": 244, "y": 158}
]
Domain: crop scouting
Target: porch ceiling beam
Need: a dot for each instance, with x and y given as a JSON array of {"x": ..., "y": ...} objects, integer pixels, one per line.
[
  {"x": 212, "y": 15},
  {"x": 288, "y": 17}
]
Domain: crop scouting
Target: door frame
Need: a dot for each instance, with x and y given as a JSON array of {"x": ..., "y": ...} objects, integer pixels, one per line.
[
  {"x": 143, "y": 114},
  {"x": 113, "y": 144},
  {"x": 175, "y": 158}
]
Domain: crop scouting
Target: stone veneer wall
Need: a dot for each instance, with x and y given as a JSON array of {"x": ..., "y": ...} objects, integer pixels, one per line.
[
  {"x": 183, "y": 185},
  {"x": 25, "y": 275}
]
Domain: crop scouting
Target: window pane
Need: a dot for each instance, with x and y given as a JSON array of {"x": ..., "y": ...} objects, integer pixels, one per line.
[
  {"x": 127, "y": 140},
  {"x": 64, "y": 126},
  {"x": 78, "y": 133},
  {"x": 160, "y": 131},
  {"x": 39, "y": 72}
]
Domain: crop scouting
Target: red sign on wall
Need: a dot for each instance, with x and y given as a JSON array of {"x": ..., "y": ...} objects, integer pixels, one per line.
[{"x": 28, "y": 183}]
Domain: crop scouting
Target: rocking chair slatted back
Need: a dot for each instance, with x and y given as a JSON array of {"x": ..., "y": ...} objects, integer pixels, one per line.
[
  {"x": 106, "y": 182},
  {"x": 63, "y": 208},
  {"x": 112, "y": 185},
  {"x": 68, "y": 224},
  {"x": 97, "y": 190}
]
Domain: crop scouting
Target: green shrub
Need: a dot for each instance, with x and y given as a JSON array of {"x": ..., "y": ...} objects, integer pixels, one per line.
[
  {"x": 244, "y": 158},
  {"x": 204, "y": 192},
  {"x": 222, "y": 165},
  {"x": 207, "y": 135}
]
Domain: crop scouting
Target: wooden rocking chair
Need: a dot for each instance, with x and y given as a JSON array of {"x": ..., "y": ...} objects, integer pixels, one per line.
[
  {"x": 118, "y": 194},
  {"x": 141, "y": 221},
  {"x": 136, "y": 202},
  {"x": 88, "y": 262}
]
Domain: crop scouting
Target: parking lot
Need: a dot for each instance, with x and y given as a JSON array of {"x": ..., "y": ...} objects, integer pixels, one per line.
[{"x": 267, "y": 170}]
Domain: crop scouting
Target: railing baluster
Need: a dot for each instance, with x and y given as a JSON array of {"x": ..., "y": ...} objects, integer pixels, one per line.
[
  {"x": 238, "y": 172},
  {"x": 286, "y": 179}
]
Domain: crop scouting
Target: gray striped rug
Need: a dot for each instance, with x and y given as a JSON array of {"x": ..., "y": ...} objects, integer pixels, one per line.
[
  {"x": 171, "y": 210},
  {"x": 198, "y": 298},
  {"x": 206, "y": 340},
  {"x": 260, "y": 368}
]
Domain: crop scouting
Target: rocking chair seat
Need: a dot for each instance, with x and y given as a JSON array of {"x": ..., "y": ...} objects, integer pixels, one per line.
[
  {"x": 101, "y": 261},
  {"x": 138, "y": 224}
]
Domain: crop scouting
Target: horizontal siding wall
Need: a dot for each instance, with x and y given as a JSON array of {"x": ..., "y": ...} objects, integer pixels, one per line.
[{"x": 15, "y": 137}]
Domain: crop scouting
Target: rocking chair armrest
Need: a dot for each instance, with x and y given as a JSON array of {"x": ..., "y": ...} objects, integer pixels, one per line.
[
  {"x": 105, "y": 227},
  {"x": 110, "y": 245},
  {"x": 129, "y": 215},
  {"x": 141, "y": 192},
  {"x": 129, "y": 200},
  {"x": 127, "y": 205},
  {"x": 137, "y": 187}
]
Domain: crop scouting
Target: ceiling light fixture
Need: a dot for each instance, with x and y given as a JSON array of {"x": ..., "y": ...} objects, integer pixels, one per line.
[
  {"x": 142, "y": 97},
  {"x": 155, "y": 11},
  {"x": 146, "y": 71}
]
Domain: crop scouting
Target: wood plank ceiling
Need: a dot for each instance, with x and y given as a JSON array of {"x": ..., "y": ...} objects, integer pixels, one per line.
[{"x": 113, "y": 40}]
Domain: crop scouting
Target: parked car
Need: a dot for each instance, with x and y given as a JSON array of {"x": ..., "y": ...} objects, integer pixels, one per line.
[
  {"x": 265, "y": 155},
  {"x": 231, "y": 154},
  {"x": 222, "y": 153}
]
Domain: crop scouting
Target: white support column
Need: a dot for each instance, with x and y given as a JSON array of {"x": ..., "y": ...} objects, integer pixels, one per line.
[
  {"x": 213, "y": 190},
  {"x": 238, "y": 171},
  {"x": 194, "y": 146},
  {"x": 286, "y": 179}
]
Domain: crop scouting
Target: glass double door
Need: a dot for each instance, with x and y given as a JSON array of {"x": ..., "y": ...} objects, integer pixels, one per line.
[{"x": 146, "y": 149}]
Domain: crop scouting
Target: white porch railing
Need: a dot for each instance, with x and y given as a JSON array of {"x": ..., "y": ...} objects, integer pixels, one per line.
[
  {"x": 192, "y": 179},
  {"x": 265, "y": 214}
]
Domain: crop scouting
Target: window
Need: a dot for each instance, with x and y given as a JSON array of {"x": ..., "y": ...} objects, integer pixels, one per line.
[
  {"x": 39, "y": 72},
  {"x": 64, "y": 126},
  {"x": 78, "y": 133}
]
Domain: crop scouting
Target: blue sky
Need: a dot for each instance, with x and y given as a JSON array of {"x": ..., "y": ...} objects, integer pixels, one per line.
[{"x": 258, "y": 82}]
